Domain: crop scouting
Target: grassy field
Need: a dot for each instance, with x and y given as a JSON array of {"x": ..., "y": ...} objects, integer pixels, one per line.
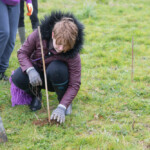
[{"x": 110, "y": 112}]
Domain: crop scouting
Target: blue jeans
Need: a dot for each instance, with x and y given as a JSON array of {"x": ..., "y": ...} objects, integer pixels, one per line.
[{"x": 9, "y": 18}]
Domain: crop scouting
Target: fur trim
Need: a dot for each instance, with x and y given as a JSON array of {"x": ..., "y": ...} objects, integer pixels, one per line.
[
  {"x": 19, "y": 97},
  {"x": 48, "y": 23}
]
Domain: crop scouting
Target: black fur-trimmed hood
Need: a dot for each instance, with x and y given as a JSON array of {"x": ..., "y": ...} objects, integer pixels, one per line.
[{"x": 48, "y": 23}]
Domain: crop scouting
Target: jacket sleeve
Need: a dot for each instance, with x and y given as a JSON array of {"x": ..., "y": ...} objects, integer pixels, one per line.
[
  {"x": 26, "y": 50},
  {"x": 74, "y": 67}
]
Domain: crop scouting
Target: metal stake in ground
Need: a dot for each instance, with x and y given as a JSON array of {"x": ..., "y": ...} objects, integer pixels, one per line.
[
  {"x": 132, "y": 68},
  {"x": 3, "y": 136},
  {"x": 45, "y": 77}
]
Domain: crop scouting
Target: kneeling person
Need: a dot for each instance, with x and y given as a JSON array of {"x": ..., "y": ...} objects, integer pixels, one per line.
[{"x": 62, "y": 38}]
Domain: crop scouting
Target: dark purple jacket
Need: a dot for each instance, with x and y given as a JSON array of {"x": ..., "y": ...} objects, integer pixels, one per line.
[
  {"x": 14, "y": 2},
  {"x": 31, "y": 50}
]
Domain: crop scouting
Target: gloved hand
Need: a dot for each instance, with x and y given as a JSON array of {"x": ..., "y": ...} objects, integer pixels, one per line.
[
  {"x": 34, "y": 77},
  {"x": 69, "y": 110},
  {"x": 30, "y": 9},
  {"x": 59, "y": 114}
]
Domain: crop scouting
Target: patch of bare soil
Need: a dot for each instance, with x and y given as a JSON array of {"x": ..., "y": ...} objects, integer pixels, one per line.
[{"x": 42, "y": 122}]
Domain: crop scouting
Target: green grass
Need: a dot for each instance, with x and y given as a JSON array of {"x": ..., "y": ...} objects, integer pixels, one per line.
[{"x": 109, "y": 112}]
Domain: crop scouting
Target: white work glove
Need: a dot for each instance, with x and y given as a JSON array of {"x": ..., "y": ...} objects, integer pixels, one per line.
[
  {"x": 59, "y": 114},
  {"x": 34, "y": 77}
]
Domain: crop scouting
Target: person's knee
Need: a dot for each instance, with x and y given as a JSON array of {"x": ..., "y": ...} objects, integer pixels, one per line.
[
  {"x": 4, "y": 36},
  {"x": 57, "y": 72},
  {"x": 14, "y": 76},
  {"x": 20, "y": 79}
]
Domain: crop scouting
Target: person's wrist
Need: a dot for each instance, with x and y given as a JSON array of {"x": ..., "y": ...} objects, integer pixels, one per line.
[
  {"x": 62, "y": 106},
  {"x": 29, "y": 69}
]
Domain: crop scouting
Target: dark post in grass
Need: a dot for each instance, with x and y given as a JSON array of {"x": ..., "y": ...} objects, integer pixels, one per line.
[
  {"x": 3, "y": 136},
  {"x": 45, "y": 77},
  {"x": 132, "y": 68}
]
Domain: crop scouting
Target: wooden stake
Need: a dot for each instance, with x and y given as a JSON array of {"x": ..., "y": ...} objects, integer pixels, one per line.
[
  {"x": 132, "y": 68},
  {"x": 45, "y": 77}
]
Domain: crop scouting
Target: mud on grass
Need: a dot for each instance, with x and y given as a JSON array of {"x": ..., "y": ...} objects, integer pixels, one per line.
[{"x": 43, "y": 122}]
